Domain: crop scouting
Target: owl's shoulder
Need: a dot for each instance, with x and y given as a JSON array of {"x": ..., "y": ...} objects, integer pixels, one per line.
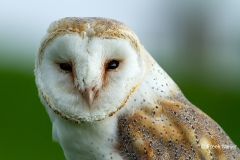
[{"x": 172, "y": 130}]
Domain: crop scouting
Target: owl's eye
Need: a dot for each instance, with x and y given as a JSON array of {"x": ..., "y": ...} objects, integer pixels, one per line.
[
  {"x": 113, "y": 64},
  {"x": 65, "y": 66}
]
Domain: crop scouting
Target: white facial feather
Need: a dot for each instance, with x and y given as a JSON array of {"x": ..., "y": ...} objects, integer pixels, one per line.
[
  {"x": 88, "y": 59},
  {"x": 107, "y": 98}
]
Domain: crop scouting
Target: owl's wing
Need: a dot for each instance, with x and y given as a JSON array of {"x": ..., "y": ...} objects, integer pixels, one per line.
[{"x": 173, "y": 130}]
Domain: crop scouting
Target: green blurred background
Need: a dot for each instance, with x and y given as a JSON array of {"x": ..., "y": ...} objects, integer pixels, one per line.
[{"x": 197, "y": 44}]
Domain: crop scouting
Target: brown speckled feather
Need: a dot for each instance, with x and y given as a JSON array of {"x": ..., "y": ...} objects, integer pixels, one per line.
[{"x": 173, "y": 130}]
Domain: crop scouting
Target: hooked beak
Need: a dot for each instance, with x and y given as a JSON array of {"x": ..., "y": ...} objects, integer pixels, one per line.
[{"x": 89, "y": 95}]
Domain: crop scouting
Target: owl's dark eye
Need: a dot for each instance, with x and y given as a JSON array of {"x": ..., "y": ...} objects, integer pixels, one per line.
[
  {"x": 113, "y": 64},
  {"x": 65, "y": 66}
]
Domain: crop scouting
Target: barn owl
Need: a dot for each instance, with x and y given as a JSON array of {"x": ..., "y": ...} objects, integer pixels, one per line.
[{"x": 107, "y": 98}]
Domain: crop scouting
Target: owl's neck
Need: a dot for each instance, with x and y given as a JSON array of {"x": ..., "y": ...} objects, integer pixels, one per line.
[
  {"x": 156, "y": 81},
  {"x": 87, "y": 141}
]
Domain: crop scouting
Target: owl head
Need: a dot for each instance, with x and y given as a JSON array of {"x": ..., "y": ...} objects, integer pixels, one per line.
[{"x": 87, "y": 68}]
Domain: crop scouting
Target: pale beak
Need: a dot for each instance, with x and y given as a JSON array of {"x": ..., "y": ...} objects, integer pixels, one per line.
[{"x": 88, "y": 95}]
